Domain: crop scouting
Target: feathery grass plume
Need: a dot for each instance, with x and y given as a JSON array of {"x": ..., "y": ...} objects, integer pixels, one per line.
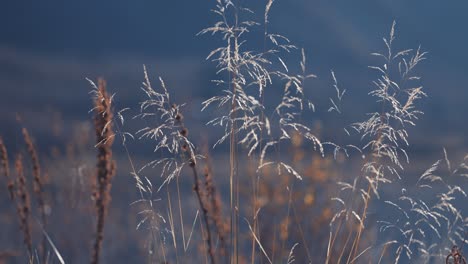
[
  {"x": 6, "y": 255},
  {"x": 6, "y": 169},
  {"x": 105, "y": 168},
  {"x": 171, "y": 136},
  {"x": 38, "y": 185},
  {"x": 249, "y": 69},
  {"x": 246, "y": 120},
  {"x": 339, "y": 96},
  {"x": 424, "y": 228},
  {"x": 387, "y": 137},
  {"x": 23, "y": 204},
  {"x": 166, "y": 133}
]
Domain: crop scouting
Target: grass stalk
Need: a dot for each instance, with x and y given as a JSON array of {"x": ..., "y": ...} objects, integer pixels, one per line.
[
  {"x": 4, "y": 165},
  {"x": 23, "y": 204},
  {"x": 38, "y": 187},
  {"x": 105, "y": 168}
]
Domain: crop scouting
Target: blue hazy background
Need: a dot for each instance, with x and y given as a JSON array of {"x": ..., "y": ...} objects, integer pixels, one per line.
[{"x": 47, "y": 49}]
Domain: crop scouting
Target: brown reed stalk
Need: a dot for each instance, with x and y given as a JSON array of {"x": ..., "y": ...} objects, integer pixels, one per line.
[
  {"x": 6, "y": 169},
  {"x": 376, "y": 157},
  {"x": 214, "y": 209},
  {"x": 200, "y": 194},
  {"x": 105, "y": 168},
  {"x": 23, "y": 203},
  {"x": 7, "y": 256},
  {"x": 199, "y": 191},
  {"x": 38, "y": 186},
  {"x": 38, "y": 180},
  {"x": 197, "y": 186}
]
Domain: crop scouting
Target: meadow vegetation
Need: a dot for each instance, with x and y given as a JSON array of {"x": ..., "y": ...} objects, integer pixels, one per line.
[{"x": 282, "y": 192}]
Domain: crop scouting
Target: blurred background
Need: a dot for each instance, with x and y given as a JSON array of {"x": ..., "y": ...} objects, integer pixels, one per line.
[{"x": 48, "y": 48}]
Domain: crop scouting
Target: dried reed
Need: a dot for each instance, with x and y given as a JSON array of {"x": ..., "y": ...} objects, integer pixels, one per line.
[
  {"x": 105, "y": 165},
  {"x": 6, "y": 169},
  {"x": 38, "y": 185},
  {"x": 23, "y": 203},
  {"x": 214, "y": 207},
  {"x": 37, "y": 176}
]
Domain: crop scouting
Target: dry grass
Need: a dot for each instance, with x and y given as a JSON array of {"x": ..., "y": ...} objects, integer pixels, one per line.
[
  {"x": 6, "y": 169},
  {"x": 280, "y": 193},
  {"x": 106, "y": 167},
  {"x": 38, "y": 187},
  {"x": 23, "y": 204}
]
